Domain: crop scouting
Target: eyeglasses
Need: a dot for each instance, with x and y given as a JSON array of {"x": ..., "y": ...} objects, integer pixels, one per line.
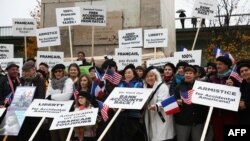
[{"x": 60, "y": 71}]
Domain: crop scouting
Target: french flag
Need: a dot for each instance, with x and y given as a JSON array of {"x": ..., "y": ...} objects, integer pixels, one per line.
[
  {"x": 218, "y": 52},
  {"x": 170, "y": 106},
  {"x": 96, "y": 90}
]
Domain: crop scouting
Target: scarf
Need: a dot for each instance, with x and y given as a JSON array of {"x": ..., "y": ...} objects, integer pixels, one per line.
[
  {"x": 179, "y": 78},
  {"x": 58, "y": 84},
  {"x": 224, "y": 74},
  {"x": 167, "y": 78},
  {"x": 28, "y": 81}
]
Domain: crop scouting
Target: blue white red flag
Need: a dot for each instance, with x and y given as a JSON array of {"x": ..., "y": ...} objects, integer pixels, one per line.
[
  {"x": 170, "y": 105},
  {"x": 96, "y": 90}
]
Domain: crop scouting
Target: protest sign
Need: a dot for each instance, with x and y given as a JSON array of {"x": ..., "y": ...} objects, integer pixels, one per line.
[
  {"x": 50, "y": 58},
  {"x": 216, "y": 95},
  {"x": 128, "y": 98},
  {"x": 48, "y": 37},
  {"x": 205, "y": 9},
  {"x": 84, "y": 69},
  {"x": 2, "y": 110},
  {"x": 24, "y": 27},
  {"x": 68, "y": 16},
  {"x": 130, "y": 38},
  {"x": 93, "y": 15},
  {"x": 125, "y": 56},
  {"x": 6, "y": 51},
  {"x": 17, "y": 61},
  {"x": 161, "y": 62},
  {"x": 191, "y": 57},
  {"x": 48, "y": 108},
  {"x": 75, "y": 119},
  {"x": 155, "y": 38}
]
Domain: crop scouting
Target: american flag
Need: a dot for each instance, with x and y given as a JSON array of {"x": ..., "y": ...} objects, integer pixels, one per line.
[
  {"x": 104, "y": 110},
  {"x": 112, "y": 77},
  {"x": 186, "y": 96},
  {"x": 235, "y": 75},
  {"x": 8, "y": 99},
  {"x": 75, "y": 93}
]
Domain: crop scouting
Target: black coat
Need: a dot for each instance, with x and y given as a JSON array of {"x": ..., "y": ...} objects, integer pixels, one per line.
[
  {"x": 189, "y": 114},
  {"x": 245, "y": 96}
]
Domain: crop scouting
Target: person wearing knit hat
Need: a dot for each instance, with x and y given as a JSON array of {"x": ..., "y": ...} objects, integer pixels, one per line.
[
  {"x": 224, "y": 59},
  {"x": 169, "y": 72}
]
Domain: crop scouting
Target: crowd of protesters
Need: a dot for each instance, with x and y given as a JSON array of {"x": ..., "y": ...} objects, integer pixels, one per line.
[{"x": 149, "y": 123}]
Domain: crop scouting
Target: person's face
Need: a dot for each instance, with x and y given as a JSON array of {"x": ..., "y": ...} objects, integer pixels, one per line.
[
  {"x": 245, "y": 73},
  {"x": 92, "y": 74},
  {"x": 84, "y": 82},
  {"x": 13, "y": 72},
  {"x": 168, "y": 71},
  {"x": 73, "y": 72},
  {"x": 180, "y": 70},
  {"x": 189, "y": 76},
  {"x": 82, "y": 100},
  {"x": 210, "y": 69},
  {"x": 29, "y": 72},
  {"x": 150, "y": 78},
  {"x": 129, "y": 74},
  {"x": 43, "y": 68},
  {"x": 221, "y": 67},
  {"x": 58, "y": 73},
  {"x": 139, "y": 73},
  {"x": 81, "y": 56}
]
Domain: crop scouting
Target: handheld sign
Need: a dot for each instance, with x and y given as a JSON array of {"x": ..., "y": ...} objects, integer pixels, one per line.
[
  {"x": 48, "y": 37},
  {"x": 205, "y": 9},
  {"x": 125, "y": 56},
  {"x": 161, "y": 62},
  {"x": 75, "y": 119},
  {"x": 128, "y": 98},
  {"x": 2, "y": 110},
  {"x": 130, "y": 38},
  {"x": 68, "y": 16},
  {"x": 6, "y": 51},
  {"x": 191, "y": 57},
  {"x": 93, "y": 15},
  {"x": 24, "y": 27},
  {"x": 50, "y": 58},
  {"x": 17, "y": 61},
  {"x": 155, "y": 38},
  {"x": 216, "y": 95},
  {"x": 48, "y": 108}
]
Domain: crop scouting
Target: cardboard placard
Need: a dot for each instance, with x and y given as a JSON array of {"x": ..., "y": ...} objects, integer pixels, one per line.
[
  {"x": 205, "y": 9},
  {"x": 130, "y": 38},
  {"x": 48, "y": 37},
  {"x": 68, "y": 16},
  {"x": 24, "y": 27},
  {"x": 155, "y": 38},
  {"x": 191, "y": 57},
  {"x": 6, "y": 51}
]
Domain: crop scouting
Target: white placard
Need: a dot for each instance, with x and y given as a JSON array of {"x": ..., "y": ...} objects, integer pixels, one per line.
[
  {"x": 48, "y": 37},
  {"x": 125, "y": 56},
  {"x": 17, "y": 61},
  {"x": 70, "y": 62},
  {"x": 75, "y": 119},
  {"x": 6, "y": 51},
  {"x": 128, "y": 98},
  {"x": 48, "y": 108},
  {"x": 191, "y": 57},
  {"x": 130, "y": 38},
  {"x": 205, "y": 9},
  {"x": 50, "y": 58},
  {"x": 93, "y": 15},
  {"x": 155, "y": 38},
  {"x": 24, "y": 27},
  {"x": 216, "y": 95},
  {"x": 68, "y": 16},
  {"x": 161, "y": 62},
  {"x": 2, "y": 110}
]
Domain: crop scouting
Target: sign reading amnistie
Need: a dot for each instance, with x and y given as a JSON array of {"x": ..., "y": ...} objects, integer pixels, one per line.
[
  {"x": 68, "y": 16},
  {"x": 48, "y": 37},
  {"x": 216, "y": 95},
  {"x": 24, "y": 27}
]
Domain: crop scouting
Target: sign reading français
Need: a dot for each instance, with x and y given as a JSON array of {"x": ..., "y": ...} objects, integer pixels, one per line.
[
  {"x": 191, "y": 57},
  {"x": 48, "y": 108},
  {"x": 75, "y": 119},
  {"x": 130, "y": 38},
  {"x": 50, "y": 58},
  {"x": 48, "y": 37},
  {"x": 125, "y": 56},
  {"x": 128, "y": 98},
  {"x": 68, "y": 16},
  {"x": 216, "y": 95},
  {"x": 93, "y": 15},
  {"x": 6, "y": 51},
  {"x": 24, "y": 27},
  {"x": 205, "y": 9},
  {"x": 155, "y": 38}
]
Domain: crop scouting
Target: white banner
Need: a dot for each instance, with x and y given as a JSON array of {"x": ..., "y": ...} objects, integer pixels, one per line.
[
  {"x": 17, "y": 61},
  {"x": 93, "y": 15},
  {"x": 205, "y": 9},
  {"x": 161, "y": 62},
  {"x": 48, "y": 37},
  {"x": 24, "y": 27},
  {"x": 48, "y": 108},
  {"x": 75, "y": 119},
  {"x": 130, "y": 38},
  {"x": 125, "y": 56},
  {"x": 50, "y": 58},
  {"x": 68, "y": 16},
  {"x": 216, "y": 95},
  {"x": 6, "y": 51},
  {"x": 191, "y": 57},
  {"x": 155, "y": 38},
  {"x": 128, "y": 98}
]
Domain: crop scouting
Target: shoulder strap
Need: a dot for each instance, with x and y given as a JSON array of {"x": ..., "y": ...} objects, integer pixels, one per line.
[{"x": 152, "y": 95}]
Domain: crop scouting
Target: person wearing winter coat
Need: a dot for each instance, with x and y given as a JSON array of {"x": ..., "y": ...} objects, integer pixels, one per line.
[{"x": 159, "y": 126}]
